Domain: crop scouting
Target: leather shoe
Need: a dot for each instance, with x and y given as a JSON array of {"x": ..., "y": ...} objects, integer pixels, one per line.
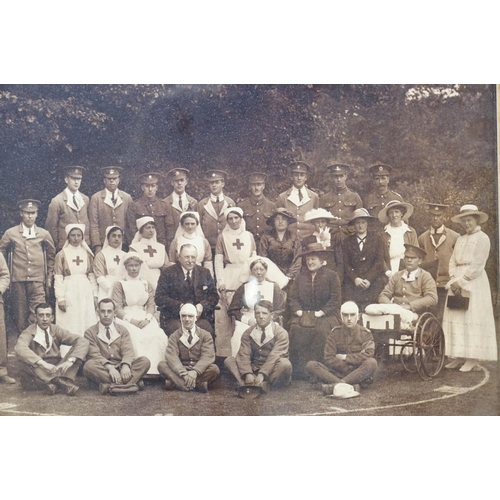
[
  {"x": 104, "y": 388},
  {"x": 5, "y": 379},
  {"x": 327, "y": 389},
  {"x": 203, "y": 387},
  {"x": 140, "y": 384},
  {"x": 66, "y": 385},
  {"x": 168, "y": 385},
  {"x": 50, "y": 389}
]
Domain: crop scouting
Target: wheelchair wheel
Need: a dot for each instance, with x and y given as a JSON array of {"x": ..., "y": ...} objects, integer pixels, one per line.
[
  {"x": 429, "y": 343},
  {"x": 408, "y": 358}
]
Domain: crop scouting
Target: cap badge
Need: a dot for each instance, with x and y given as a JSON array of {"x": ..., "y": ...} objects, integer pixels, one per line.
[{"x": 381, "y": 168}]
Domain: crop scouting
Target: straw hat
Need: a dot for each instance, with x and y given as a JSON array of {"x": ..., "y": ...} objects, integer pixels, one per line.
[
  {"x": 470, "y": 210},
  {"x": 382, "y": 215}
]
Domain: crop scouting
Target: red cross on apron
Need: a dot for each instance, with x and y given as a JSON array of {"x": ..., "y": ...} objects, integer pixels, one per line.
[{"x": 150, "y": 250}]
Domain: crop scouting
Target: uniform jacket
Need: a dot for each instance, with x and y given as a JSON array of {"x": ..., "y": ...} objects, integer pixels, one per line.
[
  {"x": 173, "y": 221},
  {"x": 212, "y": 227},
  {"x": 156, "y": 208},
  {"x": 198, "y": 357},
  {"x": 419, "y": 294},
  {"x": 30, "y": 352},
  {"x": 60, "y": 215},
  {"x": 375, "y": 202},
  {"x": 300, "y": 228},
  {"x": 442, "y": 252},
  {"x": 357, "y": 343},
  {"x": 252, "y": 357},
  {"x": 101, "y": 216},
  {"x": 322, "y": 294},
  {"x": 119, "y": 352},
  {"x": 4, "y": 277},
  {"x": 340, "y": 205},
  {"x": 255, "y": 215},
  {"x": 28, "y": 262},
  {"x": 172, "y": 291}
]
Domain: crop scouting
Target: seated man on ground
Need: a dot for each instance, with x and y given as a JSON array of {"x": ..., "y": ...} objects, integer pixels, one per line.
[
  {"x": 409, "y": 292},
  {"x": 190, "y": 355},
  {"x": 349, "y": 354},
  {"x": 39, "y": 353},
  {"x": 112, "y": 363},
  {"x": 262, "y": 359}
]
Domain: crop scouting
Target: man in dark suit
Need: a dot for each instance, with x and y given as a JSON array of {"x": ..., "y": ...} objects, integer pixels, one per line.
[{"x": 186, "y": 283}]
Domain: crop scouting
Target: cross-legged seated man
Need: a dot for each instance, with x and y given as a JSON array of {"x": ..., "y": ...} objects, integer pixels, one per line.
[
  {"x": 190, "y": 355},
  {"x": 112, "y": 363},
  {"x": 39, "y": 353},
  {"x": 349, "y": 353},
  {"x": 262, "y": 359}
]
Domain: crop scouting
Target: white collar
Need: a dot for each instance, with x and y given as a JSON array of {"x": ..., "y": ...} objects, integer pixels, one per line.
[
  {"x": 214, "y": 198},
  {"x": 112, "y": 330},
  {"x": 439, "y": 230},
  {"x": 39, "y": 338},
  {"x": 78, "y": 198},
  {"x": 257, "y": 334},
  {"x": 29, "y": 233},
  {"x": 185, "y": 335},
  {"x": 410, "y": 276}
]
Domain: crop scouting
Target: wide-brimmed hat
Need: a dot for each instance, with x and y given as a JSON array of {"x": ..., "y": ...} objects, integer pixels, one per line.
[
  {"x": 318, "y": 213},
  {"x": 280, "y": 211},
  {"x": 361, "y": 213},
  {"x": 382, "y": 215},
  {"x": 344, "y": 391},
  {"x": 470, "y": 210},
  {"x": 314, "y": 248}
]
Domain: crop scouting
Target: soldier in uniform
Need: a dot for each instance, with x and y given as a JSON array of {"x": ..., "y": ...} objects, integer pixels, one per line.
[
  {"x": 439, "y": 242},
  {"x": 299, "y": 199},
  {"x": 68, "y": 207},
  {"x": 150, "y": 205},
  {"x": 32, "y": 254},
  {"x": 340, "y": 201},
  {"x": 257, "y": 208},
  {"x": 211, "y": 208},
  {"x": 381, "y": 195},
  {"x": 110, "y": 207},
  {"x": 178, "y": 201}
]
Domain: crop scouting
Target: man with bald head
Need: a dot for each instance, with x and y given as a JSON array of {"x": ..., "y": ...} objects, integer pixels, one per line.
[
  {"x": 186, "y": 283},
  {"x": 190, "y": 355},
  {"x": 349, "y": 354}
]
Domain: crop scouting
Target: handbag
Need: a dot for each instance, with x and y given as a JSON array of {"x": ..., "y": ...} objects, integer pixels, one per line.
[
  {"x": 308, "y": 319},
  {"x": 457, "y": 302}
]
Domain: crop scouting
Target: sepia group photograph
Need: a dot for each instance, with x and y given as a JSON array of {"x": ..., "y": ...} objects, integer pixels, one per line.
[{"x": 249, "y": 250}]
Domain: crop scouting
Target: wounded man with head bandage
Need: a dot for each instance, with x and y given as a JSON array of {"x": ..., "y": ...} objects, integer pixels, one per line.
[{"x": 190, "y": 355}]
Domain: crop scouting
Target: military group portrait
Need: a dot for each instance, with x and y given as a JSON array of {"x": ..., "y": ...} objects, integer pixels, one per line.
[{"x": 252, "y": 276}]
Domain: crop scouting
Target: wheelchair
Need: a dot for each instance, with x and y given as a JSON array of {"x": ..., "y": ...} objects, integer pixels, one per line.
[{"x": 420, "y": 349}]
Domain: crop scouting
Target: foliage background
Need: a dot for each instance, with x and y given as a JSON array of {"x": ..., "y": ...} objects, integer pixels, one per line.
[{"x": 441, "y": 139}]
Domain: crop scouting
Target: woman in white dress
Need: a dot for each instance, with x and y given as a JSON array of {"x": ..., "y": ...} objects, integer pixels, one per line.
[
  {"x": 261, "y": 280},
  {"x": 107, "y": 261},
  {"x": 234, "y": 246},
  {"x": 150, "y": 251},
  {"x": 470, "y": 331},
  {"x": 190, "y": 232},
  {"x": 396, "y": 233},
  {"x": 75, "y": 285},
  {"x": 133, "y": 296}
]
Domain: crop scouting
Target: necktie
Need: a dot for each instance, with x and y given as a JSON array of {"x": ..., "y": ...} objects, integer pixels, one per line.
[
  {"x": 190, "y": 337},
  {"x": 217, "y": 200},
  {"x": 108, "y": 334},
  {"x": 74, "y": 202},
  {"x": 47, "y": 340},
  {"x": 361, "y": 242},
  {"x": 300, "y": 195},
  {"x": 263, "y": 337},
  {"x": 30, "y": 231},
  {"x": 113, "y": 199},
  {"x": 180, "y": 202},
  {"x": 188, "y": 278}
]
